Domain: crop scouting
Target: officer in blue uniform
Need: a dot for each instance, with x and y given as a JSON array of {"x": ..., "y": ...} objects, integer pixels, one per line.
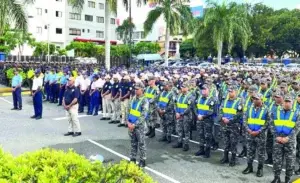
[
  {"x": 37, "y": 95},
  {"x": 125, "y": 90},
  {"x": 51, "y": 85},
  {"x": 63, "y": 83},
  {"x": 46, "y": 83},
  {"x": 16, "y": 90}
]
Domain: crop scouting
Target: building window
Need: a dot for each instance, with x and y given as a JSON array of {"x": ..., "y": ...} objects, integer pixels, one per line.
[
  {"x": 39, "y": 11},
  {"x": 58, "y": 31},
  {"x": 88, "y": 30},
  {"x": 83, "y": 30},
  {"x": 91, "y": 4},
  {"x": 101, "y": 6},
  {"x": 39, "y": 30},
  {"x": 142, "y": 34},
  {"x": 89, "y": 18},
  {"x": 100, "y": 19},
  {"x": 74, "y": 32},
  {"x": 58, "y": 14},
  {"x": 46, "y": 11},
  {"x": 99, "y": 34},
  {"x": 59, "y": 0},
  {"x": 75, "y": 16},
  {"x": 112, "y": 21}
]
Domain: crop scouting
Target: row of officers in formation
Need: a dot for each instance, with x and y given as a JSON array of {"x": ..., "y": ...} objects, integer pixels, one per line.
[{"x": 259, "y": 109}]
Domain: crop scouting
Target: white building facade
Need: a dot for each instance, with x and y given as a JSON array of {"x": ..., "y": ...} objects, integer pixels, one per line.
[{"x": 57, "y": 22}]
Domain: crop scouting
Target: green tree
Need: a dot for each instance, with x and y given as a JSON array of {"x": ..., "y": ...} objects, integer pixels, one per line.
[
  {"x": 187, "y": 48},
  {"x": 145, "y": 47},
  {"x": 13, "y": 11},
  {"x": 41, "y": 49},
  {"x": 125, "y": 29},
  {"x": 226, "y": 21},
  {"x": 62, "y": 52},
  {"x": 177, "y": 16}
]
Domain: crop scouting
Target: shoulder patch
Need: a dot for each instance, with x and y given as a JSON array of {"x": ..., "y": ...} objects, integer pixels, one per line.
[
  {"x": 212, "y": 103},
  {"x": 239, "y": 107}
]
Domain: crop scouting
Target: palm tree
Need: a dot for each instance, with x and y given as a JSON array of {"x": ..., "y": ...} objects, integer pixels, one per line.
[
  {"x": 227, "y": 21},
  {"x": 125, "y": 29},
  {"x": 110, "y": 7},
  {"x": 12, "y": 11},
  {"x": 177, "y": 17}
]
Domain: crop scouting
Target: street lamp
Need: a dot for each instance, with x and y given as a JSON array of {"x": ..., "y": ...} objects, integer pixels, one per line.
[{"x": 48, "y": 27}]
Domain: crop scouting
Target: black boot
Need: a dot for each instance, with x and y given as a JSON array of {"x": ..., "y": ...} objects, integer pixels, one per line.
[
  {"x": 200, "y": 152},
  {"x": 260, "y": 172},
  {"x": 191, "y": 134},
  {"x": 225, "y": 158},
  {"x": 243, "y": 153},
  {"x": 287, "y": 179},
  {"x": 232, "y": 160},
  {"x": 297, "y": 172},
  {"x": 207, "y": 152},
  {"x": 152, "y": 134},
  {"x": 162, "y": 139},
  {"x": 276, "y": 179},
  {"x": 178, "y": 145},
  {"x": 186, "y": 147},
  {"x": 269, "y": 160},
  {"x": 169, "y": 139},
  {"x": 249, "y": 169},
  {"x": 133, "y": 160},
  {"x": 142, "y": 163},
  {"x": 215, "y": 146},
  {"x": 149, "y": 131}
]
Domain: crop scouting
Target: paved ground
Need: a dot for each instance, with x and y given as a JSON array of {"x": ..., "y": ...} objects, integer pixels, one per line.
[{"x": 20, "y": 134}]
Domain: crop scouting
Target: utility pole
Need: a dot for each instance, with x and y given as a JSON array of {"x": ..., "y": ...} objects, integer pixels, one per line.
[
  {"x": 48, "y": 27},
  {"x": 130, "y": 33}
]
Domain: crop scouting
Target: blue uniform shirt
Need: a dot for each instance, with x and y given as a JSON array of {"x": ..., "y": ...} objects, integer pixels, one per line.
[
  {"x": 107, "y": 86},
  {"x": 115, "y": 89},
  {"x": 16, "y": 80},
  {"x": 64, "y": 79},
  {"x": 46, "y": 78},
  {"x": 124, "y": 88},
  {"x": 51, "y": 77}
]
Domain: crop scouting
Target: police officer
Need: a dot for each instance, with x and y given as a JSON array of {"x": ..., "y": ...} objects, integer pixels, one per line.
[
  {"x": 284, "y": 124},
  {"x": 115, "y": 94},
  {"x": 165, "y": 108},
  {"x": 256, "y": 122},
  {"x": 184, "y": 103},
  {"x": 70, "y": 104},
  {"x": 16, "y": 84},
  {"x": 265, "y": 90},
  {"x": 136, "y": 120},
  {"x": 37, "y": 95},
  {"x": 231, "y": 114},
  {"x": 106, "y": 99},
  {"x": 85, "y": 83},
  {"x": 205, "y": 110},
  {"x": 125, "y": 90},
  {"x": 94, "y": 96},
  {"x": 152, "y": 94},
  {"x": 62, "y": 86}
]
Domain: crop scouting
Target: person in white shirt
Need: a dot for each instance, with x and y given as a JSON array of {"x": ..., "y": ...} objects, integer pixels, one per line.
[
  {"x": 94, "y": 95},
  {"x": 37, "y": 95},
  {"x": 84, "y": 93},
  {"x": 106, "y": 99}
]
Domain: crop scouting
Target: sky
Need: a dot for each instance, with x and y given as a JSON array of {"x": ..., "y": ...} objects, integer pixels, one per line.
[{"x": 277, "y": 4}]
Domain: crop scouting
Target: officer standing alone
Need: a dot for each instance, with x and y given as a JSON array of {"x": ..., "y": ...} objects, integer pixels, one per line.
[
  {"x": 16, "y": 84},
  {"x": 37, "y": 95},
  {"x": 136, "y": 124}
]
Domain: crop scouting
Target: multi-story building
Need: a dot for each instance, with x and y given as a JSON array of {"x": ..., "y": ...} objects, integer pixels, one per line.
[{"x": 57, "y": 22}]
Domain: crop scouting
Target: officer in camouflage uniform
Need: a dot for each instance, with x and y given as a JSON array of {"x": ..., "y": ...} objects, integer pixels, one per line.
[
  {"x": 231, "y": 113},
  {"x": 137, "y": 115},
  {"x": 205, "y": 109},
  {"x": 151, "y": 94},
  {"x": 278, "y": 97},
  {"x": 256, "y": 122},
  {"x": 183, "y": 109},
  {"x": 284, "y": 124},
  {"x": 165, "y": 108}
]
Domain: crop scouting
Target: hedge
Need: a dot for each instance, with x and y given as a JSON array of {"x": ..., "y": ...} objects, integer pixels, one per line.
[{"x": 56, "y": 166}]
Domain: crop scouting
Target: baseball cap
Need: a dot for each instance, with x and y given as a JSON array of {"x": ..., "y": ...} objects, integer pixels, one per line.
[
  {"x": 185, "y": 85},
  {"x": 232, "y": 87},
  {"x": 289, "y": 98},
  {"x": 139, "y": 85},
  {"x": 253, "y": 88},
  {"x": 71, "y": 79},
  {"x": 257, "y": 95},
  {"x": 278, "y": 93}
]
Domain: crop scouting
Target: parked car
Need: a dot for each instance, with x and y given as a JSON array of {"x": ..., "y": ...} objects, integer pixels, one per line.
[
  {"x": 206, "y": 65},
  {"x": 292, "y": 67}
]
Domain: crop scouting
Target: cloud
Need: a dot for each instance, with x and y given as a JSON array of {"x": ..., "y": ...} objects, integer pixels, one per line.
[{"x": 298, "y": 6}]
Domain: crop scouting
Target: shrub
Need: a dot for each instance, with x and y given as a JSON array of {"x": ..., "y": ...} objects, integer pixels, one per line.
[{"x": 55, "y": 166}]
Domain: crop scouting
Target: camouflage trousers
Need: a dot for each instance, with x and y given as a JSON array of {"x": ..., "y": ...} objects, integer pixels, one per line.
[
  {"x": 284, "y": 151},
  {"x": 256, "y": 143},
  {"x": 205, "y": 129},
  {"x": 298, "y": 147},
  {"x": 167, "y": 123},
  {"x": 230, "y": 136},
  {"x": 243, "y": 136},
  {"x": 152, "y": 118},
  {"x": 183, "y": 127},
  {"x": 137, "y": 138},
  {"x": 269, "y": 142}
]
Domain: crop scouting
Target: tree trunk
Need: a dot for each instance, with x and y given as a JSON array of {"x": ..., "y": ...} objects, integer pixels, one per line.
[
  {"x": 107, "y": 36},
  {"x": 220, "y": 47},
  {"x": 167, "y": 42}
]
